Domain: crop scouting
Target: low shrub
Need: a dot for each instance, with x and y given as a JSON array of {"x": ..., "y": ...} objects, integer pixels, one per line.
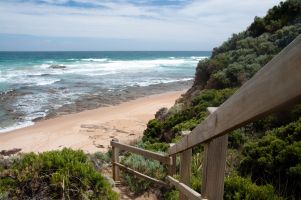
[
  {"x": 56, "y": 175},
  {"x": 239, "y": 188},
  {"x": 148, "y": 167}
]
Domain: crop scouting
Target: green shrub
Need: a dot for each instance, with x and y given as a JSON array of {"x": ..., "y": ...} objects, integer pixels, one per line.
[
  {"x": 172, "y": 195},
  {"x": 236, "y": 139},
  {"x": 186, "y": 118},
  {"x": 56, "y": 175},
  {"x": 276, "y": 158},
  {"x": 156, "y": 147},
  {"x": 148, "y": 167},
  {"x": 153, "y": 131},
  {"x": 238, "y": 188}
]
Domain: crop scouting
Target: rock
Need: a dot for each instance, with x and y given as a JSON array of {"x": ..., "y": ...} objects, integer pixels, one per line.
[
  {"x": 10, "y": 152},
  {"x": 57, "y": 67},
  {"x": 161, "y": 114},
  {"x": 100, "y": 146},
  {"x": 90, "y": 126},
  {"x": 38, "y": 119}
]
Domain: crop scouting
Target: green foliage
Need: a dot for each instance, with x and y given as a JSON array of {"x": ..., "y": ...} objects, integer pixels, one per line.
[
  {"x": 270, "y": 147},
  {"x": 157, "y": 147},
  {"x": 276, "y": 158},
  {"x": 172, "y": 195},
  {"x": 237, "y": 138},
  {"x": 186, "y": 118},
  {"x": 153, "y": 131},
  {"x": 286, "y": 13},
  {"x": 56, "y": 175},
  {"x": 145, "y": 166},
  {"x": 239, "y": 188},
  {"x": 238, "y": 59}
]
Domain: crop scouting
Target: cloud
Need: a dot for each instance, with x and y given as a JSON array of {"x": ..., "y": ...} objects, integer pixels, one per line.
[{"x": 193, "y": 21}]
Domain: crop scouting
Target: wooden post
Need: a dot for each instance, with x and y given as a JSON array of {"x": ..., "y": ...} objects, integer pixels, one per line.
[
  {"x": 172, "y": 168},
  {"x": 115, "y": 159},
  {"x": 214, "y": 166},
  {"x": 185, "y": 169}
]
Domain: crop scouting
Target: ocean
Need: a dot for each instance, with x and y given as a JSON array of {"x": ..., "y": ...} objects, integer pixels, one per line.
[{"x": 39, "y": 85}]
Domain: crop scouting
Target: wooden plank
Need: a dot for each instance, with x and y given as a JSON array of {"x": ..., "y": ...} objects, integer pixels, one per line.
[
  {"x": 214, "y": 164},
  {"x": 183, "y": 188},
  {"x": 148, "y": 154},
  {"x": 115, "y": 159},
  {"x": 185, "y": 170},
  {"x": 156, "y": 181},
  {"x": 276, "y": 85},
  {"x": 172, "y": 168}
]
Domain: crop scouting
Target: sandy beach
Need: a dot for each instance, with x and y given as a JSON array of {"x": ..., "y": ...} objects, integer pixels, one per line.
[{"x": 90, "y": 130}]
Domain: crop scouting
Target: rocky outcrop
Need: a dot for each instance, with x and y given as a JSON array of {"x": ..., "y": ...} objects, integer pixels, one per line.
[
  {"x": 10, "y": 152},
  {"x": 57, "y": 67}
]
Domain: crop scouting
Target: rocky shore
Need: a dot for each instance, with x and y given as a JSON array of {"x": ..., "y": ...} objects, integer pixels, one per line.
[{"x": 102, "y": 98}]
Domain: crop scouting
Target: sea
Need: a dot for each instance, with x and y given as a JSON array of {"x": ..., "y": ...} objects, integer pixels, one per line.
[{"x": 40, "y": 85}]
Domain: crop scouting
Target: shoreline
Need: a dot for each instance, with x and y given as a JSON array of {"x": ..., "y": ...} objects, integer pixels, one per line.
[
  {"x": 90, "y": 101},
  {"x": 90, "y": 130}
]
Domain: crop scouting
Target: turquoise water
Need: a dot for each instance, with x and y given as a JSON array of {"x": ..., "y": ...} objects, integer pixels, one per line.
[{"x": 31, "y": 85}]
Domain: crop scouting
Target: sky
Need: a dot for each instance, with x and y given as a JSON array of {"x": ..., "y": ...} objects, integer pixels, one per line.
[{"x": 124, "y": 25}]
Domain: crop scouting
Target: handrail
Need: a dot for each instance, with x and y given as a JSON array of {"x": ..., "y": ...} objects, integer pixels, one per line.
[
  {"x": 159, "y": 182},
  {"x": 275, "y": 86},
  {"x": 185, "y": 189},
  {"x": 148, "y": 154}
]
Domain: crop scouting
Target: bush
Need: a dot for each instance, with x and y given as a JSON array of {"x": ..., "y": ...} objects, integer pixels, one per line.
[
  {"x": 56, "y": 175},
  {"x": 172, "y": 195},
  {"x": 153, "y": 131},
  {"x": 186, "y": 118},
  {"x": 276, "y": 158},
  {"x": 148, "y": 167},
  {"x": 157, "y": 147},
  {"x": 237, "y": 188}
]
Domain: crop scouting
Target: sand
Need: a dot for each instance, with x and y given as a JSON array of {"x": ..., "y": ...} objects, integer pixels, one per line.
[{"x": 90, "y": 130}]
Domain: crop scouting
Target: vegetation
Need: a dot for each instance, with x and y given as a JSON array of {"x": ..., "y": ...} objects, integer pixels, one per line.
[
  {"x": 65, "y": 174},
  {"x": 145, "y": 166},
  {"x": 264, "y": 157},
  {"x": 239, "y": 58}
]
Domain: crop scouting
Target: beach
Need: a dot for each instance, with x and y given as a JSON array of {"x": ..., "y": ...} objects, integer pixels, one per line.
[{"x": 90, "y": 130}]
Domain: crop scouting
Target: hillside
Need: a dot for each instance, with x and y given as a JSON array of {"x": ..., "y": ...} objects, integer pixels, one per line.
[{"x": 263, "y": 160}]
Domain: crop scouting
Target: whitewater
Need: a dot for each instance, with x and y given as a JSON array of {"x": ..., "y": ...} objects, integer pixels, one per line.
[{"x": 37, "y": 85}]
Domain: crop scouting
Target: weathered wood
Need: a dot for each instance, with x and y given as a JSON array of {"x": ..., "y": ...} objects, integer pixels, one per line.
[
  {"x": 148, "y": 154},
  {"x": 276, "y": 85},
  {"x": 115, "y": 159},
  {"x": 185, "y": 169},
  {"x": 172, "y": 168},
  {"x": 184, "y": 189},
  {"x": 214, "y": 163},
  {"x": 156, "y": 181}
]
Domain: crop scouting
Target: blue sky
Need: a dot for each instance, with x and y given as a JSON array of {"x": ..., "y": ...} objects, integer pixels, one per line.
[{"x": 49, "y": 25}]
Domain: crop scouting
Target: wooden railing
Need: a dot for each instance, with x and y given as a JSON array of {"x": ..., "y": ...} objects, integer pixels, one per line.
[{"x": 276, "y": 86}]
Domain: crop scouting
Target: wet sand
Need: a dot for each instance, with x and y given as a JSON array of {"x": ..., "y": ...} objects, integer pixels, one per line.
[{"x": 90, "y": 130}]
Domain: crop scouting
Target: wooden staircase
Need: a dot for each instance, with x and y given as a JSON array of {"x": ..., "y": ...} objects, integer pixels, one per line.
[{"x": 276, "y": 86}]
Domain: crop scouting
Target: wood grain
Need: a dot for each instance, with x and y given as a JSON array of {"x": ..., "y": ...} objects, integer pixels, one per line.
[
  {"x": 183, "y": 188},
  {"x": 148, "y": 154}
]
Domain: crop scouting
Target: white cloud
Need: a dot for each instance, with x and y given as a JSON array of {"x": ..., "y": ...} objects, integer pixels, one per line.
[{"x": 209, "y": 20}]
